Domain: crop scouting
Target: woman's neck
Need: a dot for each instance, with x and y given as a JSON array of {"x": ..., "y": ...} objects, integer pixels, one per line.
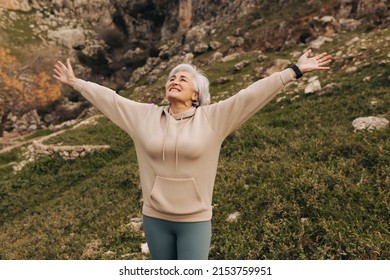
[{"x": 175, "y": 109}]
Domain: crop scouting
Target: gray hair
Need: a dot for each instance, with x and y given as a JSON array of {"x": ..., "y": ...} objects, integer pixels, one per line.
[{"x": 200, "y": 81}]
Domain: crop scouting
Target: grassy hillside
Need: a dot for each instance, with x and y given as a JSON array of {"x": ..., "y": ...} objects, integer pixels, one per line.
[{"x": 305, "y": 184}]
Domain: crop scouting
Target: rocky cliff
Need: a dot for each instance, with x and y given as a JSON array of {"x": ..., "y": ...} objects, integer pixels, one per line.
[{"x": 115, "y": 37}]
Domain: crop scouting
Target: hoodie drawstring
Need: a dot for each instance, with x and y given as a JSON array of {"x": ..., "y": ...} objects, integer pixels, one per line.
[
  {"x": 177, "y": 142},
  {"x": 177, "y": 139},
  {"x": 165, "y": 136}
]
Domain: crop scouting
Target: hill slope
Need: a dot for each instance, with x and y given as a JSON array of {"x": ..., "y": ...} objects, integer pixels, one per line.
[{"x": 304, "y": 184}]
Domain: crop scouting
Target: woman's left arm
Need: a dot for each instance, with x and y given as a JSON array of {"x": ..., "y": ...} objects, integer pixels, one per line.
[{"x": 227, "y": 115}]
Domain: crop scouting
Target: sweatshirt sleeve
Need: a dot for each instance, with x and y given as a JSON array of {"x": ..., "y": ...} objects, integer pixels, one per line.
[
  {"x": 227, "y": 115},
  {"x": 125, "y": 113}
]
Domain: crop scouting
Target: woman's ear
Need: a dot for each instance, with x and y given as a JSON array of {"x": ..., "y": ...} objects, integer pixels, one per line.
[
  {"x": 195, "y": 100},
  {"x": 195, "y": 96}
]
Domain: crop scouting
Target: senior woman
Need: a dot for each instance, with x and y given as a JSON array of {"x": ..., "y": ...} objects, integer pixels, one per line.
[{"x": 178, "y": 147}]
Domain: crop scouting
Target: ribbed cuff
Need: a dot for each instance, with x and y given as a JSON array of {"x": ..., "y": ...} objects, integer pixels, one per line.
[
  {"x": 287, "y": 76},
  {"x": 79, "y": 85}
]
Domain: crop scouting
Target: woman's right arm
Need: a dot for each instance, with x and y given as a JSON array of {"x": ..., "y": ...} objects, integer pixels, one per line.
[{"x": 123, "y": 112}]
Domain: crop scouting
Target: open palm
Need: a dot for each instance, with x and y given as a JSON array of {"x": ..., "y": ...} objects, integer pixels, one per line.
[
  {"x": 318, "y": 62},
  {"x": 64, "y": 73}
]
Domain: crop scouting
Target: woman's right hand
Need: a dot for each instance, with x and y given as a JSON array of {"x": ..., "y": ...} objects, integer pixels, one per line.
[{"x": 64, "y": 73}]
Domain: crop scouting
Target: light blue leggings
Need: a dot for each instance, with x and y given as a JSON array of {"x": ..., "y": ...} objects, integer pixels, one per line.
[{"x": 177, "y": 240}]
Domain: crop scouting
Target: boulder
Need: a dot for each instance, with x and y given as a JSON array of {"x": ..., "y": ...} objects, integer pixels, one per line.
[
  {"x": 145, "y": 248},
  {"x": 241, "y": 65},
  {"x": 349, "y": 24},
  {"x": 71, "y": 38},
  {"x": 29, "y": 121},
  {"x": 351, "y": 69},
  {"x": 326, "y": 25},
  {"x": 321, "y": 40},
  {"x": 235, "y": 42},
  {"x": 188, "y": 58},
  {"x": 195, "y": 36},
  {"x": 353, "y": 41},
  {"x": 136, "y": 224},
  {"x": 201, "y": 48},
  {"x": 215, "y": 45},
  {"x": 221, "y": 81},
  {"x": 370, "y": 123},
  {"x": 233, "y": 217},
  {"x": 313, "y": 86},
  {"x": 217, "y": 56},
  {"x": 329, "y": 88}
]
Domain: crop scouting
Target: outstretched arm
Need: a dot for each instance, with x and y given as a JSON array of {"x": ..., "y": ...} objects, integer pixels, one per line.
[
  {"x": 227, "y": 115},
  {"x": 65, "y": 74},
  {"x": 123, "y": 112}
]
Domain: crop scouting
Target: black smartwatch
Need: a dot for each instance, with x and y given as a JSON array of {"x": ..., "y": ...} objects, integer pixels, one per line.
[{"x": 296, "y": 70}]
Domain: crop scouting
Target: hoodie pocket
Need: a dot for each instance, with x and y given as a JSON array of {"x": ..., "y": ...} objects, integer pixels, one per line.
[{"x": 176, "y": 196}]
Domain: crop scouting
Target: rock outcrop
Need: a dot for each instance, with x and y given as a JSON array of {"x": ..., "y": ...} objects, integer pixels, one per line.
[
  {"x": 38, "y": 148},
  {"x": 120, "y": 36},
  {"x": 120, "y": 42},
  {"x": 20, "y": 5}
]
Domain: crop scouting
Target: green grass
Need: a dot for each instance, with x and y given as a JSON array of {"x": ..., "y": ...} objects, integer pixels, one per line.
[
  {"x": 307, "y": 186},
  {"x": 104, "y": 133},
  {"x": 6, "y": 161},
  {"x": 10, "y": 156},
  {"x": 310, "y": 188},
  {"x": 38, "y": 134}
]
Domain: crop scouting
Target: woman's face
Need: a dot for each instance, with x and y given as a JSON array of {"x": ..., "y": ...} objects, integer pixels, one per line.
[{"x": 180, "y": 88}]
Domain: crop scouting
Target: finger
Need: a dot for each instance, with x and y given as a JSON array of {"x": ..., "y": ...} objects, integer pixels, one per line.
[
  {"x": 68, "y": 64},
  {"x": 329, "y": 57},
  {"x": 61, "y": 65},
  {"x": 57, "y": 72},
  {"x": 58, "y": 67},
  {"x": 324, "y": 58},
  {"x": 324, "y": 61},
  {"x": 320, "y": 56},
  {"x": 308, "y": 53}
]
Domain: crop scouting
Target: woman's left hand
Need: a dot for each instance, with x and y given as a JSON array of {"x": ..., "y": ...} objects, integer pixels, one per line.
[{"x": 318, "y": 62}]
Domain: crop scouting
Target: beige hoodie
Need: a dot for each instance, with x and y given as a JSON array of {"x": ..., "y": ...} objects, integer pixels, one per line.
[{"x": 178, "y": 153}]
